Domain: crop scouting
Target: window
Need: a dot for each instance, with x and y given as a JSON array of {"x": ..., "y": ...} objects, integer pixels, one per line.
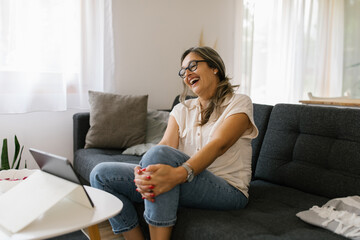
[
  {"x": 52, "y": 52},
  {"x": 301, "y": 46},
  {"x": 351, "y": 83},
  {"x": 38, "y": 45}
]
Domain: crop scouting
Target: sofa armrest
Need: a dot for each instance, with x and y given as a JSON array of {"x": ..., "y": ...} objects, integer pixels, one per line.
[{"x": 81, "y": 126}]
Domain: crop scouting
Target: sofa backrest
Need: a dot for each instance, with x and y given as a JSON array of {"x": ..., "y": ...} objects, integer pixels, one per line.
[
  {"x": 261, "y": 114},
  {"x": 314, "y": 149},
  {"x": 177, "y": 100},
  {"x": 81, "y": 125}
]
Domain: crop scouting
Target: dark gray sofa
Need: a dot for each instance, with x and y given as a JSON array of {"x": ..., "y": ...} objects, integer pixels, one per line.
[{"x": 303, "y": 156}]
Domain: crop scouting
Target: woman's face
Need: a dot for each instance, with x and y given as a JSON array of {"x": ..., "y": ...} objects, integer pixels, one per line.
[{"x": 203, "y": 80}]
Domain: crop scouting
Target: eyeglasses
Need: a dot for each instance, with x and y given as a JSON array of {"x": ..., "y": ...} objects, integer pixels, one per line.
[{"x": 192, "y": 67}]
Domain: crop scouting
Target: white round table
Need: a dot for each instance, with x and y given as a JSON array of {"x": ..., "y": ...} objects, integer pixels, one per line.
[{"x": 67, "y": 216}]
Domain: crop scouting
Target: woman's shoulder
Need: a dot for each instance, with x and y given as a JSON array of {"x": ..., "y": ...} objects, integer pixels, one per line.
[
  {"x": 187, "y": 104},
  {"x": 241, "y": 97},
  {"x": 237, "y": 99}
]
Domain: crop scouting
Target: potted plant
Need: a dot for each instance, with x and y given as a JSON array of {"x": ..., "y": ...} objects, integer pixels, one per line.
[
  {"x": 10, "y": 175},
  {"x": 5, "y": 163}
]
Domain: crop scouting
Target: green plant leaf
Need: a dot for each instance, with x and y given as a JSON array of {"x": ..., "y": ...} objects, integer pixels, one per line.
[
  {"x": 16, "y": 153},
  {"x": 18, "y": 164},
  {"x": 4, "y": 156}
]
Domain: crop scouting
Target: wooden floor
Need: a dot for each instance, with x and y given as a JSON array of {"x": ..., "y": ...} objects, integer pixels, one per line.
[{"x": 106, "y": 232}]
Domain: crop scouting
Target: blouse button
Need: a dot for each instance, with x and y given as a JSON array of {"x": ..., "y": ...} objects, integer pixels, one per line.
[{"x": 198, "y": 134}]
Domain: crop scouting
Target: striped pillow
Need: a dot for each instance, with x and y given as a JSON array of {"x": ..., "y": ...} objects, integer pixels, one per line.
[{"x": 340, "y": 215}]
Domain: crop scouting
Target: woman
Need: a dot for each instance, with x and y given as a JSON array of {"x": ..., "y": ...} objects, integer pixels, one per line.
[{"x": 202, "y": 161}]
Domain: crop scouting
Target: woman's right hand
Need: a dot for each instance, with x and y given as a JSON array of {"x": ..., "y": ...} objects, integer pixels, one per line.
[
  {"x": 157, "y": 179},
  {"x": 142, "y": 182}
]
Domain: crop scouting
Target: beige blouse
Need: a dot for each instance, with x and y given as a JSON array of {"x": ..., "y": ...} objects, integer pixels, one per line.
[{"x": 235, "y": 164}]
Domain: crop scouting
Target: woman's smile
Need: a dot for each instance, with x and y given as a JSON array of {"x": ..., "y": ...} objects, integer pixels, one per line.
[{"x": 194, "y": 81}]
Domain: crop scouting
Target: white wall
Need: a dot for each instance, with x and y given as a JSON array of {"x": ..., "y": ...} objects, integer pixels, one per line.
[
  {"x": 47, "y": 131},
  {"x": 150, "y": 37}
]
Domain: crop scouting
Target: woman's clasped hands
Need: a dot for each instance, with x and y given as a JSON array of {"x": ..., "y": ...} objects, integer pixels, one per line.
[{"x": 157, "y": 179}]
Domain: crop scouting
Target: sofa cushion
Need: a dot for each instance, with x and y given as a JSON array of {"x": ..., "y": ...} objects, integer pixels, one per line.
[
  {"x": 314, "y": 149},
  {"x": 270, "y": 215},
  {"x": 116, "y": 121},
  {"x": 86, "y": 159}
]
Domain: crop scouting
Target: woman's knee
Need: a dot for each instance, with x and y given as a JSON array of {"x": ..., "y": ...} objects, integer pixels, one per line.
[
  {"x": 110, "y": 171},
  {"x": 162, "y": 154},
  {"x": 96, "y": 174}
]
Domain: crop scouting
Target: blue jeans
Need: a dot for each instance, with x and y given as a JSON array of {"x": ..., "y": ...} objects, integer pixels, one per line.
[{"x": 206, "y": 191}]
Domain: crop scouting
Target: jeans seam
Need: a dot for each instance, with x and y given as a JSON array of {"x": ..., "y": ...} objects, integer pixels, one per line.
[
  {"x": 126, "y": 229},
  {"x": 233, "y": 189},
  {"x": 107, "y": 181},
  {"x": 167, "y": 223}
]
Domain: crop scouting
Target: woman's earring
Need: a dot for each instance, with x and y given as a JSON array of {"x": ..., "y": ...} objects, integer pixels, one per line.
[{"x": 215, "y": 72}]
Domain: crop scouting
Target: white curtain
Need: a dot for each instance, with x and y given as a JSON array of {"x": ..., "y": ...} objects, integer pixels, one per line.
[
  {"x": 297, "y": 47},
  {"x": 243, "y": 52},
  {"x": 352, "y": 49},
  {"x": 52, "y": 52},
  {"x": 325, "y": 46}
]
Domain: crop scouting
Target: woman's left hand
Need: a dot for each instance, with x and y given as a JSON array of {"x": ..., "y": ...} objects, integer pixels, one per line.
[{"x": 161, "y": 177}]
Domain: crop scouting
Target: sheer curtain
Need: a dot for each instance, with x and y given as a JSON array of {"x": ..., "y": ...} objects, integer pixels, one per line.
[
  {"x": 297, "y": 47},
  {"x": 352, "y": 49},
  {"x": 52, "y": 52},
  {"x": 243, "y": 52}
]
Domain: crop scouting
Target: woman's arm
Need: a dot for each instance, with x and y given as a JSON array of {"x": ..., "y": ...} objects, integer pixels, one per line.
[
  {"x": 165, "y": 177},
  {"x": 224, "y": 137},
  {"x": 171, "y": 135}
]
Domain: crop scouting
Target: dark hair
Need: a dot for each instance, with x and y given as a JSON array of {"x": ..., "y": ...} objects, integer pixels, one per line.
[{"x": 224, "y": 87}]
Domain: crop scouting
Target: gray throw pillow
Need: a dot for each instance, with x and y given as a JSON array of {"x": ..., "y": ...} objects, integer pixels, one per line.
[
  {"x": 156, "y": 126},
  {"x": 339, "y": 215},
  {"x": 116, "y": 121}
]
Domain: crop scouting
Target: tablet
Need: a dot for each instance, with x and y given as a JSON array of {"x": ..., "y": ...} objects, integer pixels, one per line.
[{"x": 58, "y": 166}]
